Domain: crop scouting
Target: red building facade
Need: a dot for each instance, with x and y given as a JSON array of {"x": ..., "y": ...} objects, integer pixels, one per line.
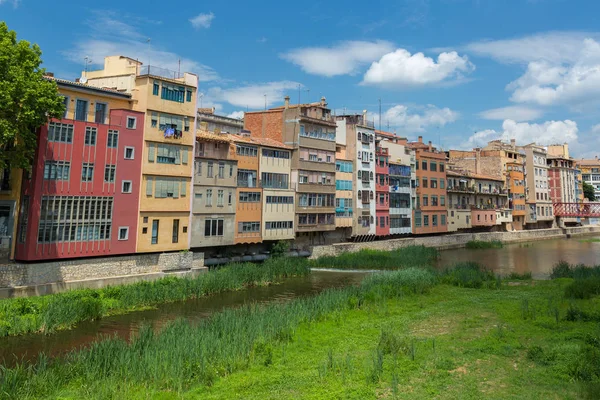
[
  {"x": 82, "y": 196},
  {"x": 382, "y": 190}
]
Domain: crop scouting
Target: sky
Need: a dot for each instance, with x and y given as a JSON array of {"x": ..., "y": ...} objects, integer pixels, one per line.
[{"x": 457, "y": 72}]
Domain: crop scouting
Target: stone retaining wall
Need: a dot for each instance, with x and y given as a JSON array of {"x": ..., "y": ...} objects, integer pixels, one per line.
[
  {"x": 441, "y": 242},
  {"x": 18, "y": 274}
]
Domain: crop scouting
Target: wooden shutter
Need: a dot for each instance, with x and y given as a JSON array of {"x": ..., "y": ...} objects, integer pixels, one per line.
[
  {"x": 151, "y": 152},
  {"x": 184, "y": 156},
  {"x": 149, "y": 187},
  {"x": 183, "y": 188}
]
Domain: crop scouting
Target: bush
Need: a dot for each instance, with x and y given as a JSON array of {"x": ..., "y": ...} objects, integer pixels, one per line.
[
  {"x": 469, "y": 275},
  {"x": 583, "y": 288},
  {"x": 481, "y": 244},
  {"x": 540, "y": 356}
]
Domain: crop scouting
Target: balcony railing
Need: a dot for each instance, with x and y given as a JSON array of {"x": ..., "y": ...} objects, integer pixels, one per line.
[{"x": 157, "y": 71}]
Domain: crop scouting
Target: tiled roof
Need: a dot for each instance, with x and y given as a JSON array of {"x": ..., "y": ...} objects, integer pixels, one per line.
[
  {"x": 86, "y": 86},
  {"x": 267, "y": 142},
  {"x": 589, "y": 162},
  {"x": 206, "y": 135},
  {"x": 472, "y": 175}
]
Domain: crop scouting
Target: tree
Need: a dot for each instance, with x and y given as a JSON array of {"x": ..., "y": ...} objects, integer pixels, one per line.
[
  {"x": 27, "y": 99},
  {"x": 588, "y": 192}
]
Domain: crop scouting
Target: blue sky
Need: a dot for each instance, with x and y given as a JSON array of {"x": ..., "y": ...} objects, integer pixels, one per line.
[{"x": 458, "y": 72}]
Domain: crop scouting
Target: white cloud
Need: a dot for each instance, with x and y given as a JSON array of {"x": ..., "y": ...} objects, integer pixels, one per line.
[
  {"x": 548, "y": 83},
  {"x": 517, "y": 113},
  {"x": 15, "y": 3},
  {"x": 400, "y": 68},
  {"x": 596, "y": 129},
  {"x": 342, "y": 59},
  {"x": 236, "y": 115},
  {"x": 417, "y": 119},
  {"x": 549, "y": 132},
  {"x": 126, "y": 39},
  {"x": 202, "y": 20},
  {"x": 253, "y": 96},
  {"x": 555, "y": 47}
]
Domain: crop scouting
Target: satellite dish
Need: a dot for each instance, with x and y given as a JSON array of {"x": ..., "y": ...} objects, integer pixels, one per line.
[{"x": 83, "y": 80}]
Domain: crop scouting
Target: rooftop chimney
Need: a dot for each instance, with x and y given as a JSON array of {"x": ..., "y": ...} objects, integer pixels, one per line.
[
  {"x": 287, "y": 101},
  {"x": 364, "y": 116},
  {"x": 323, "y": 102},
  {"x": 513, "y": 143},
  {"x": 420, "y": 139},
  {"x": 430, "y": 146}
]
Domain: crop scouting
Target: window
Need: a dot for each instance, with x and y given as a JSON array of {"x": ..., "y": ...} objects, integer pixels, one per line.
[
  {"x": 230, "y": 171},
  {"x": 131, "y": 122},
  {"x": 229, "y": 198},
  {"x": 279, "y": 225},
  {"x": 81, "y": 109},
  {"x": 154, "y": 119},
  {"x": 188, "y": 95},
  {"x": 220, "y": 198},
  {"x": 57, "y": 170},
  {"x": 87, "y": 172},
  {"x": 442, "y": 201},
  {"x": 90, "y": 136},
  {"x": 433, "y": 183},
  {"x": 249, "y": 197},
  {"x": 169, "y": 187},
  {"x": 246, "y": 178},
  {"x": 381, "y": 222},
  {"x": 123, "y": 233},
  {"x": 434, "y": 201},
  {"x": 172, "y": 92},
  {"x": 113, "y": 139},
  {"x": 126, "y": 186},
  {"x": 154, "y": 231},
  {"x": 248, "y": 227},
  {"x": 100, "y": 117},
  {"x": 213, "y": 227},
  {"x": 276, "y": 154},
  {"x": 424, "y": 165},
  {"x": 425, "y": 184},
  {"x": 279, "y": 200},
  {"x": 248, "y": 151},
  {"x": 425, "y": 201},
  {"x": 442, "y": 168},
  {"x": 275, "y": 181},
  {"x": 145, "y": 220},
  {"x": 155, "y": 88},
  {"x": 221, "y": 170},
  {"x": 425, "y": 220},
  {"x": 209, "y": 172},
  {"x": 129, "y": 152},
  {"x": 433, "y": 166},
  {"x": 74, "y": 218},
  {"x": 209, "y": 197},
  {"x": 175, "y": 238},
  {"x": 144, "y": 230},
  {"x": 58, "y": 132},
  {"x": 109, "y": 173},
  {"x": 442, "y": 182},
  {"x": 434, "y": 220},
  {"x": 66, "y": 104}
]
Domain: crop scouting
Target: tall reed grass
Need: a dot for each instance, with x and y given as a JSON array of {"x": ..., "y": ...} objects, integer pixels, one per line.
[
  {"x": 482, "y": 244},
  {"x": 470, "y": 275},
  {"x": 586, "y": 280},
  {"x": 183, "y": 354},
  {"x": 411, "y": 256},
  {"x": 63, "y": 310}
]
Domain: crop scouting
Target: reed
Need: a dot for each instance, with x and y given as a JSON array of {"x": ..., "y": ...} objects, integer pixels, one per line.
[
  {"x": 411, "y": 256},
  {"x": 183, "y": 354},
  {"x": 470, "y": 275},
  {"x": 63, "y": 310}
]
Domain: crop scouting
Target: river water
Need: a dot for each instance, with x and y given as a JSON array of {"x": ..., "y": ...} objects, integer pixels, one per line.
[{"x": 536, "y": 257}]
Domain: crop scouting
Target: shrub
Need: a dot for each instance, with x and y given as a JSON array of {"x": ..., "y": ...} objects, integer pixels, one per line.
[
  {"x": 411, "y": 256},
  {"x": 469, "y": 275},
  {"x": 540, "y": 356},
  {"x": 482, "y": 244}
]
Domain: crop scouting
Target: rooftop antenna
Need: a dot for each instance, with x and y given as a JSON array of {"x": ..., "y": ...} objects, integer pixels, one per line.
[
  {"x": 179, "y": 68},
  {"x": 380, "y": 113},
  {"x": 201, "y": 95},
  {"x": 87, "y": 61},
  {"x": 265, "y": 102},
  {"x": 299, "y": 87}
]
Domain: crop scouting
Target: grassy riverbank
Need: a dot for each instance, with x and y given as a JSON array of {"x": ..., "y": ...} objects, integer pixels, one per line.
[
  {"x": 63, "y": 310},
  {"x": 403, "y": 334},
  {"x": 411, "y": 256}
]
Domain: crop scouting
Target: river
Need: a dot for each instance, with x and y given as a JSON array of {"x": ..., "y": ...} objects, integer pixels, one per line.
[{"x": 536, "y": 257}]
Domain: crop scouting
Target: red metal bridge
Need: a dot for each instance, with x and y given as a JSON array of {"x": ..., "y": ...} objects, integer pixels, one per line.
[{"x": 577, "y": 209}]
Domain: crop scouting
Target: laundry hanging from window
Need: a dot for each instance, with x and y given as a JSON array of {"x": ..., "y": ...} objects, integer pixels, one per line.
[{"x": 171, "y": 125}]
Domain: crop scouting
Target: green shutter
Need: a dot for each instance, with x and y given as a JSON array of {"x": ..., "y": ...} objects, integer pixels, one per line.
[
  {"x": 151, "y": 152},
  {"x": 183, "y": 187},
  {"x": 149, "y": 187},
  {"x": 177, "y": 154},
  {"x": 175, "y": 187},
  {"x": 184, "y": 156},
  {"x": 158, "y": 188}
]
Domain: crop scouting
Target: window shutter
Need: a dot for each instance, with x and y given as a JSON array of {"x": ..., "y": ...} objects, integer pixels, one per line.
[
  {"x": 177, "y": 154},
  {"x": 149, "y": 187},
  {"x": 151, "y": 152},
  {"x": 184, "y": 156},
  {"x": 183, "y": 188},
  {"x": 175, "y": 183},
  {"x": 158, "y": 189}
]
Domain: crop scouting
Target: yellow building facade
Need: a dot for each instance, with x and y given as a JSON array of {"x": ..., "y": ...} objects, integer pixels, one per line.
[{"x": 168, "y": 100}]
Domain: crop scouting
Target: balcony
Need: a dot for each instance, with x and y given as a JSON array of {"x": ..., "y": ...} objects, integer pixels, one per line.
[
  {"x": 160, "y": 72},
  {"x": 460, "y": 188},
  {"x": 382, "y": 151},
  {"x": 316, "y": 166},
  {"x": 315, "y": 222},
  {"x": 314, "y": 187}
]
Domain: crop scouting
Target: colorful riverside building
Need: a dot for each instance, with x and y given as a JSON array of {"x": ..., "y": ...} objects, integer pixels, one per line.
[
  {"x": 590, "y": 174},
  {"x": 167, "y": 100},
  {"x": 310, "y": 130},
  {"x": 382, "y": 190},
  {"x": 357, "y": 133},
  {"x": 477, "y": 202},
  {"x": 82, "y": 196},
  {"x": 402, "y": 184},
  {"x": 429, "y": 214},
  {"x": 537, "y": 195},
  {"x": 242, "y": 192}
]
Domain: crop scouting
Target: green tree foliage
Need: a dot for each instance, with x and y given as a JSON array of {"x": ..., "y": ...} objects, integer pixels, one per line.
[
  {"x": 27, "y": 99},
  {"x": 588, "y": 192}
]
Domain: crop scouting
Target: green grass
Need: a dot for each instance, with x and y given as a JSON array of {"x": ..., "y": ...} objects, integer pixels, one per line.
[
  {"x": 378, "y": 259},
  {"x": 482, "y": 244},
  {"x": 400, "y": 334},
  {"x": 64, "y": 310},
  {"x": 593, "y": 240}
]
